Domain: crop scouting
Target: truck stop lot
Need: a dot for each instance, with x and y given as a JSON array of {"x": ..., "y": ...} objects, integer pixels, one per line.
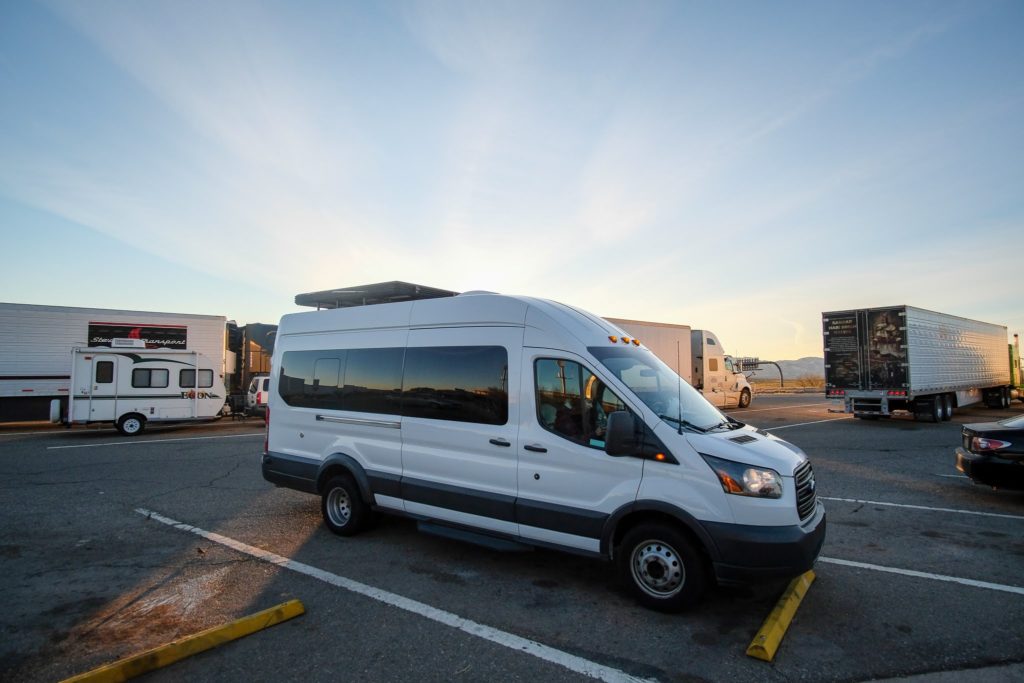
[{"x": 920, "y": 572}]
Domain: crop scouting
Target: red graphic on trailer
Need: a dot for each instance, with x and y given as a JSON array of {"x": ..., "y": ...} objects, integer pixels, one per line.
[{"x": 155, "y": 336}]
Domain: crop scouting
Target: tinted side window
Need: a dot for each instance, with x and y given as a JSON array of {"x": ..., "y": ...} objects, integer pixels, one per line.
[
  {"x": 187, "y": 378},
  {"x": 572, "y": 402},
  {"x": 462, "y": 383},
  {"x": 373, "y": 380},
  {"x": 150, "y": 377},
  {"x": 104, "y": 372},
  {"x": 310, "y": 379}
]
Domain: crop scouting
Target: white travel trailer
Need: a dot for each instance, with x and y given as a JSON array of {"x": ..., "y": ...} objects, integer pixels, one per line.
[
  {"x": 132, "y": 386},
  {"x": 698, "y": 357},
  {"x": 502, "y": 419},
  {"x": 36, "y": 343}
]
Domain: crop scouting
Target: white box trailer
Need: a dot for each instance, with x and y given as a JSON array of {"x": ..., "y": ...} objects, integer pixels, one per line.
[
  {"x": 697, "y": 356},
  {"x": 131, "y": 387},
  {"x": 900, "y": 358},
  {"x": 36, "y": 344}
]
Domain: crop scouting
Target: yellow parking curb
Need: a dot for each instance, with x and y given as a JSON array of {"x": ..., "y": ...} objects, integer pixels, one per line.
[
  {"x": 187, "y": 646},
  {"x": 767, "y": 640}
]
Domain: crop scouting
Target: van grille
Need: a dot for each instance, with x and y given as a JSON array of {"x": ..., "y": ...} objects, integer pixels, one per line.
[{"x": 806, "y": 496}]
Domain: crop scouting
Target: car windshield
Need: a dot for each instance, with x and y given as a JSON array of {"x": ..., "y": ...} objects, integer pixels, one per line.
[
  {"x": 659, "y": 387},
  {"x": 1017, "y": 421}
]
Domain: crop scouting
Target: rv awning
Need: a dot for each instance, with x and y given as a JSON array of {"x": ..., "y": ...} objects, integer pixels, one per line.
[{"x": 366, "y": 295}]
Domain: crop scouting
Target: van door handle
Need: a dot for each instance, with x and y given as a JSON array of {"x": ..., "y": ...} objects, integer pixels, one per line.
[
  {"x": 535, "y": 449},
  {"x": 500, "y": 442}
]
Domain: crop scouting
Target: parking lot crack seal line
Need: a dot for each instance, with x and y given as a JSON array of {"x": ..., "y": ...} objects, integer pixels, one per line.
[
  {"x": 924, "y": 575},
  {"x": 149, "y": 441},
  {"x": 923, "y": 507},
  {"x": 503, "y": 638}
]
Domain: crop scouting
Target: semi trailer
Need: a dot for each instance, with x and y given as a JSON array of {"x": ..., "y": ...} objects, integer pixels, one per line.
[
  {"x": 697, "y": 356},
  {"x": 879, "y": 361}
]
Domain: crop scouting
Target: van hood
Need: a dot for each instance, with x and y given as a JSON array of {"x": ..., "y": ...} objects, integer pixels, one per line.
[{"x": 751, "y": 446}]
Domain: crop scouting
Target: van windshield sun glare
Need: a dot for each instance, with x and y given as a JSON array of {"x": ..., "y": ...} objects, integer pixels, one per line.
[{"x": 660, "y": 388}]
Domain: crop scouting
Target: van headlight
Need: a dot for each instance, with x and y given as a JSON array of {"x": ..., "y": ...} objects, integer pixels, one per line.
[{"x": 745, "y": 480}]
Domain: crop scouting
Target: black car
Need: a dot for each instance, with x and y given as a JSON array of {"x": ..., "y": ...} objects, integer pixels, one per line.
[{"x": 993, "y": 453}]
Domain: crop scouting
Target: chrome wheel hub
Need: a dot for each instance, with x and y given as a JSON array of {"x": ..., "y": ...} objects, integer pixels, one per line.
[{"x": 657, "y": 569}]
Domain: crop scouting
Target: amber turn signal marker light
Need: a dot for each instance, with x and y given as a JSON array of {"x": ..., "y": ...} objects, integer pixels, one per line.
[
  {"x": 659, "y": 456},
  {"x": 612, "y": 338}
]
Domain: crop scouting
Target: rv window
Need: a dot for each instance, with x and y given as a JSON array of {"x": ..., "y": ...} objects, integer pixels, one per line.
[
  {"x": 711, "y": 342},
  {"x": 104, "y": 372},
  {"x": 461, "y": 383},
  {"x": 572, "y": 402},
  {"x": 187, "y": 379},
  {"x": 373, "y": 380},
  {"x": 150, "y": 377}
]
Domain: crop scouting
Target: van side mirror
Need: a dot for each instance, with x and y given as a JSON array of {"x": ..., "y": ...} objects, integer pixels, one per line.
[{"x": 621, "y": 434}]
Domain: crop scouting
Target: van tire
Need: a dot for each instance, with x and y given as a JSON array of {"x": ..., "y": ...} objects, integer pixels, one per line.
[
  {"x": 344, "y": 511},
  {"x": 744, "y": 398},
  {"x": 662, "y": 568},
  {"x": 131, "y": 424}
]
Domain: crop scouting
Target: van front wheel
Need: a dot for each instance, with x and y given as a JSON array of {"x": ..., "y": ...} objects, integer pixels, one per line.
[
  {"x": 662, "y": 568},
  {"x": 131, "y": 424},
  {"x": 343, "y": 508}
]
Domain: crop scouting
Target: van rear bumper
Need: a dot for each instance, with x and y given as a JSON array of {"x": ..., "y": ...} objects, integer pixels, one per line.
[{"x": 747, "y": 553}]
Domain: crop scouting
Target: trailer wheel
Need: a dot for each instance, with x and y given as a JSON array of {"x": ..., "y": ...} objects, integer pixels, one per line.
[
  {"x": 947, "y": 407},
  {"x": 744, "y": 398},
  {"x": 131, "y": 424}
]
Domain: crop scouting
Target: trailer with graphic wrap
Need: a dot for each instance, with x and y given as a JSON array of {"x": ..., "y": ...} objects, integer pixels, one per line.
[
  {"x": 36, "y": 344},
  {"x": 882, "y": 360},
  {"x": 130, "y": 386}
]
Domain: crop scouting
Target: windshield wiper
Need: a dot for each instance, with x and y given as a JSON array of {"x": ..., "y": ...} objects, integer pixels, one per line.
[
  {"x": 728, "y": 423},
  {"x": 684, "y": 423}
]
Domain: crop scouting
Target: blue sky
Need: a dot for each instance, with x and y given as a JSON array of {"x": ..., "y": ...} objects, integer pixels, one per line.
[{"x": 735, "y": 166}]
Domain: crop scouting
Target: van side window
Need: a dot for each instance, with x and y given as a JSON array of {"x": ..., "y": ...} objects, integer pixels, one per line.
[
  {"x": 461, "y": 383},
  {"x": 187, "y": 378},
  {"x": 373, "y": 381},
  {"x": 326, "y": 387},
  {"x": 104, "y": 372},
  {"x": 156, "y": 378},
  {"x": 310, "y": 379},
  {"x": 572, "y": 402}
]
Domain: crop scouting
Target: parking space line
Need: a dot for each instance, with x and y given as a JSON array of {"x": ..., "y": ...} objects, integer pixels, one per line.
[
  {"x": 149, "y": 441},
  {"x": 923, "y": 507},
  {"x": 503, "y": 638},
  {"x": 801, "y": 424},
  {"x": 925, "y": 575}
]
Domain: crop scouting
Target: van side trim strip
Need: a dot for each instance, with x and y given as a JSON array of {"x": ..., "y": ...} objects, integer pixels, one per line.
[{"x": 363, "y": 422}]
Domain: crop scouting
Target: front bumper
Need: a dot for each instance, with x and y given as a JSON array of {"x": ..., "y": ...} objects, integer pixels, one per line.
[
  {"x": 991, "y": 470},
  {"x": 747, "y": 552}
]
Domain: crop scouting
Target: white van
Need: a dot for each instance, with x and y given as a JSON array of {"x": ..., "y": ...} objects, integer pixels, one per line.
[
  {"x": 521, "y": 419},
  {"x": 134, "y": 386}
]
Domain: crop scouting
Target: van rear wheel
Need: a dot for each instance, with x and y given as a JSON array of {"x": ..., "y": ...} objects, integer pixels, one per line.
[
  {"x": 662, "y": 568},
  {"x": 131, "y": 424},
  {"x": 345, "y": 513}
]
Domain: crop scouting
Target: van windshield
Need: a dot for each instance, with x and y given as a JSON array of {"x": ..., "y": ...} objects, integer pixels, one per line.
[{"x": 658, "y": 386}]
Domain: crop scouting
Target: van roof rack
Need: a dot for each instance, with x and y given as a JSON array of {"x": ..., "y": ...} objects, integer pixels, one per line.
[{"x": 367, "y": 295}]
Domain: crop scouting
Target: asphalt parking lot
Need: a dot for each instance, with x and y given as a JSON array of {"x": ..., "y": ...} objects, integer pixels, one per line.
[{"x": 921, "y": 571}]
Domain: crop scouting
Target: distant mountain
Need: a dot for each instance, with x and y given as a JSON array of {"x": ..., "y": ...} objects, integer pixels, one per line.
[{"x": 811, "y": 366}]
